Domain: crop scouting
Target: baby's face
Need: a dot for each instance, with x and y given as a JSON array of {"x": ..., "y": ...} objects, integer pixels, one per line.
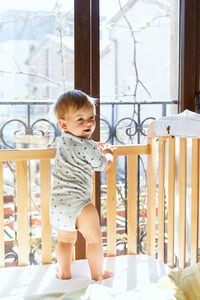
[{"x": 80, "y": 123}]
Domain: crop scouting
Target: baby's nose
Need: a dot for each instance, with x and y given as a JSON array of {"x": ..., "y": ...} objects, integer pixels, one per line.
[{"x": 89, "y": 122}]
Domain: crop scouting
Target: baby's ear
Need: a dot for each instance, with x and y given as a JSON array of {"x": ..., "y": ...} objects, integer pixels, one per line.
[{"x": 63, "y": 124}]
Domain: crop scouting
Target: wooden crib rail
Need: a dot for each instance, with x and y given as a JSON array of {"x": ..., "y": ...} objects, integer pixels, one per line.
[
  {"x": 162, "y": 187},
  {"x": 21, "y": 157},
  {"x": 27, "y": 154},
  {"x": 162, "y": 183},
  {"x": 132, "y": 152}
]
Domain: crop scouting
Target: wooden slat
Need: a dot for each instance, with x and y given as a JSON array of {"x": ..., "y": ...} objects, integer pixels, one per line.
[
  {"x": 151, "y": 198},
  {"x": 94, "y": 188},
  {"x": 171, "y": 193},
  {"x": 161, "y": 198},
  {"x": 132, "y": 204},
  {"x": 2, "y": 247},
  {"x": 22, "y": 210},
  {"x": 27, "y": 154},
  {"x": 132, "y": 149},
  {"x": 195, "y": 201},
  {"x": 96, "y": 200},
  {"x": 80, "y": 247},
  {"x": 182, "y": 201},
  {"x": 45, "y": 180},
  {"x": 111, "y": 209}
]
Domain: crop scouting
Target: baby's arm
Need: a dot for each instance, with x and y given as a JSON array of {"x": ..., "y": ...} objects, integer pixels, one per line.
[
  {"x": 108, "y": 151},
  {"x": 99, "y": 156}
]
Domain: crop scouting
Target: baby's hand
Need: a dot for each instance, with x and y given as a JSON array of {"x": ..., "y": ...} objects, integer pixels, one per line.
[{"x": 106, "y": 148}]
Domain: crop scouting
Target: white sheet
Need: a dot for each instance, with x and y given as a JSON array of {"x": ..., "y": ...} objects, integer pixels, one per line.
[
  {"x": 130, "y": 271},
  {"x": 185, "y": 124}
]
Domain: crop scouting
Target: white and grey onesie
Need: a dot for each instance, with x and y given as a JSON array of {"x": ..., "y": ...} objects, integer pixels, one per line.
[{"x": 75, "y": 160}]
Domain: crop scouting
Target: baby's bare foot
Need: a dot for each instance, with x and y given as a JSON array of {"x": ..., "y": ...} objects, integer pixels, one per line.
[
  {"x": 105, "y": 275},
  {"x": 62, "y": 276}
]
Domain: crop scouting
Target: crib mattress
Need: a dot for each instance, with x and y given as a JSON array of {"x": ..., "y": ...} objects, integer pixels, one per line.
[{"x": 130, "y": 271}]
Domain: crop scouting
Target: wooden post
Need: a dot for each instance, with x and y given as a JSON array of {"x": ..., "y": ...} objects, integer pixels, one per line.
[
  {"x": 182, "y": 200},
  {"x": 45, "y": 189},
  {"x": 161, "y": 199},
  {"x": 22, "y": 210},
  {"x": 171, "y": 194},
  {"x": 2, "y": 246},
  {"x": 151, "y": 192},
  {"x": 195, "y": 201},
  {"x": 132, "y": 204},
  {"x": 111, "y": 209}
]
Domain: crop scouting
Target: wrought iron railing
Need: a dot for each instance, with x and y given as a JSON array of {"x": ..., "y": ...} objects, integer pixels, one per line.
[{"x": 15, "y": 130}]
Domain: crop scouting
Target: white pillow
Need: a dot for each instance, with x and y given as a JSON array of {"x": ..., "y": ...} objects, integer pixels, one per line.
[{"x": 185, "y": 124}]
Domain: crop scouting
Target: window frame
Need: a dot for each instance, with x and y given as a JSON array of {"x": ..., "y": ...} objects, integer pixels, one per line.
[
  {"x": 189, "y": 57},
  {"x": 87, "y": 74}
]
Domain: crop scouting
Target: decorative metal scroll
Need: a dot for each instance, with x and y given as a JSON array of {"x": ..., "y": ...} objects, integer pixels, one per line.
[
  {"x": 42, "y": 132},
  {"x": 124, "y": 130}
]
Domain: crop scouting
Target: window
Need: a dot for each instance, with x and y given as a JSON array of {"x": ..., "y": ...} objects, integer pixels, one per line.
[
  {"x": 36, "y": 62},
  {"x": 139, "y": 65}
]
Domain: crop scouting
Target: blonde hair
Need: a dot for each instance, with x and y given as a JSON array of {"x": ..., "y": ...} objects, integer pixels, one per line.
[{"x": 74, "y": 99}]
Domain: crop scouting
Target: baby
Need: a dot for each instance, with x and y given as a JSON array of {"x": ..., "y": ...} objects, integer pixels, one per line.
[{"x": 76, "y": 158}]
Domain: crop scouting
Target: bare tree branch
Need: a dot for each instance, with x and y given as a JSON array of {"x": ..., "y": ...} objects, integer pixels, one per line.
[
  {"x": 33, "y": 74},
  {"x": 29, "y": 17},
  {"x": 13, "y": 58},
  {"x": 138, "y": 81},
  {"x": 60, "y": 34}
]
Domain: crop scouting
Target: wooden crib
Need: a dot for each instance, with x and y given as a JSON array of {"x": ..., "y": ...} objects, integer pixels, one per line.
[{"x": 160, "y": 153}]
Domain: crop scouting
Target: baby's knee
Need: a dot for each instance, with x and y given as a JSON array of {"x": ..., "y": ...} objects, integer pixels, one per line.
[
  {"x": 67, "y": 237},
  {"x": 93, "y": 239},
  {"x": 70, "y": 241}
]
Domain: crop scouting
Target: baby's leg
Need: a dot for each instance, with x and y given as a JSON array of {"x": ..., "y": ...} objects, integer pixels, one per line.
[
  {"x": 65, "y": 243},
  {"x": 88, "y": 225}
]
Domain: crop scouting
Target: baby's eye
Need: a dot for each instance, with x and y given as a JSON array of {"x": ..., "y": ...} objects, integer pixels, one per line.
[
  {"x": 80, "y": 119},
  {"x": 92, "y": 117}
]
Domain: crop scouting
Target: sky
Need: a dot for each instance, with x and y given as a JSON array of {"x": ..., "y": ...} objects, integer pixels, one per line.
[{"x": 107, "y": 7}]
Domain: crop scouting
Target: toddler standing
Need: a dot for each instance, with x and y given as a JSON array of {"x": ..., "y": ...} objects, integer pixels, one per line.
[{"x": 76, "y": 158}]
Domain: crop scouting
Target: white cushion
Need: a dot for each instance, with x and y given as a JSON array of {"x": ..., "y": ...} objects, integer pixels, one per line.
[
  {"x": 185, "y": 124},
  {"x": 130, "y": 271}
]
